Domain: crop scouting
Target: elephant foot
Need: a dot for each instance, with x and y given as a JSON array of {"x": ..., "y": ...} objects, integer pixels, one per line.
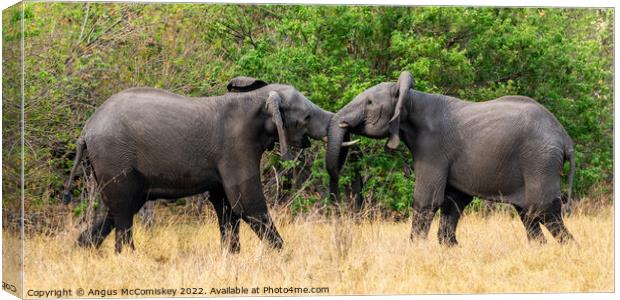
[
  {"x": 448, "y": 241},
  {"x": 565, "y": 238},
  {"x": 447, "y": 233},
  {"x": 554, "y": 222},
  {"x": 232, "y": 247},
  {"x": 265, "y": 229},
  {"x": 276, "y": 243},
  {"x": 233, "y": 250},
  {"x": 538, "y": 239},
  {"x": 119, "y": 247},
  {"x": 123, "y": 238},
  {"x": 87, "y": 240},
  {"x": 419, "y": 233},
  {"x": 420, "y": 226},
  {"x": 416, "y": 236},
  {"x": 94, "y": 236}
]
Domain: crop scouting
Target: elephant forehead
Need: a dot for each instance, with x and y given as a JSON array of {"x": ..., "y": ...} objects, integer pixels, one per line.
[
  {"x": 384, "y": 89},
  {"x": 296, "y": 101},
  {"x": 381, "y": 89}
]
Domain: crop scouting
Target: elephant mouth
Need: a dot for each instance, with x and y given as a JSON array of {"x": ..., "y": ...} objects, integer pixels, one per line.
[
  {"x": 354, "y": 130},
  {"x": 301, "y": 143},
  {"x": 305, "y": 142}
]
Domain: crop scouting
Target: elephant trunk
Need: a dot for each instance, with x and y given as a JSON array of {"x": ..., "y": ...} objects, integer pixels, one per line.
[
  {"x": 335, "y": 155},
  {"x": 320, "y": 122},
  {"x": 340, "y": 127}
]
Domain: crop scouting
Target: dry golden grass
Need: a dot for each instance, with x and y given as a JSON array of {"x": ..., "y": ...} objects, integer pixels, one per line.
[
  {"x": 348, "y": 257},
  {"x": 11, "y": 261}
]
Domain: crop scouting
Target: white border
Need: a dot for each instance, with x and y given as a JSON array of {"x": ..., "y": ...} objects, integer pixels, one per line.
[{"x": 496, "y": 3}]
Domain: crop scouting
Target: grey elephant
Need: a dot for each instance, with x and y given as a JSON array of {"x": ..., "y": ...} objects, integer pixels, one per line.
[
  {"x": 510, "y": 150},
  {"x": 146, "y": 144}
]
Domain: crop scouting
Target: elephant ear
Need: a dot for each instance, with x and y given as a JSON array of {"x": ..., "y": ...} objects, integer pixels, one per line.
[
  {"x": 401, "y": 91},
  {"x": 273, "y": 108},
  {"x": 242, "y": 84}
]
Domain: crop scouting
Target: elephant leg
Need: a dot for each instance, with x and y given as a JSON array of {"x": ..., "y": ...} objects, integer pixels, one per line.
[
  {"x": 264, "y": 227},
  {"x": 228, "y": 221},
  {"x": 553, "y": 221},
  {"x": 424, "y": 209},
  {"x": 97, "y": 232},
  {"x": 543, "y": 196},
  {"x": 451, "y": 211},
  {"x": 421, "y": 222},
  {"x": 247, "y": 199},
  {"x": 123, "y": 195},
  {"x": 123, "y": 223},
  {"x": 532, "y": 225},
  {"x": 428, "y": 197}
]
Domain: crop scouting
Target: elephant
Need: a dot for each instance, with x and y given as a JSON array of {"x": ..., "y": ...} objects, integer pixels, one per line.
[
  {"x": 146, "y": 144},
  {"x": 510, "y": 150}
]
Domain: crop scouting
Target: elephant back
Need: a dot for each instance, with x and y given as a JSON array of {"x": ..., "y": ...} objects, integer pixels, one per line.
[{"x": 242, "y": 84}]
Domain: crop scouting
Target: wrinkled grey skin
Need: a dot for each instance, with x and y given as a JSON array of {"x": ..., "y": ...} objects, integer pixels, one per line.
[
  {"x": 146, "y": 144},
  {"x": 510, "y": 150}
]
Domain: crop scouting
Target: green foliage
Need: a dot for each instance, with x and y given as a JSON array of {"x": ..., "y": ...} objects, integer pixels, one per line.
[
  {"x": 77, "y": 55},
  {"x": 300, "y": 204},
  {"x": 80, "y": 208},
  {"x": 11, "y": 103}
]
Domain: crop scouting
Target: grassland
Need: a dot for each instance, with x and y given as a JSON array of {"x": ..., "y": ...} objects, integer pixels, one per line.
[{"x": 348, "y": 257}]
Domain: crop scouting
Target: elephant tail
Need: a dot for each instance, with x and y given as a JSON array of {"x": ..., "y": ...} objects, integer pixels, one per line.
[
  {"x": 570, "y": 156},
  {"x": 80, "y": 151}
]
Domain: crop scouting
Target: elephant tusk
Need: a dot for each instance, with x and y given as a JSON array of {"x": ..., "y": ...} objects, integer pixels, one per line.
[
  {"x": 343, "y": 125},
  {"x": 350, "y": 143},
  {"x": 324, "y": 139}
]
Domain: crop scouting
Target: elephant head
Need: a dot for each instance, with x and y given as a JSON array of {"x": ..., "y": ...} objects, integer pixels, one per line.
[
  {"x": 289, "y": 112},
  {"x": 374, "y": 113}
]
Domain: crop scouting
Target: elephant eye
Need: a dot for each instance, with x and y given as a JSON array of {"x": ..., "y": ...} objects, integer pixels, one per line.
[
  {"x": 369, "y": 101},
  {"x": 307, "y": 118}
]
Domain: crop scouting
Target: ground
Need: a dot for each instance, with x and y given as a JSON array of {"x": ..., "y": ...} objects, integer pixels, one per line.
[{"x": 348, "y": 257}]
